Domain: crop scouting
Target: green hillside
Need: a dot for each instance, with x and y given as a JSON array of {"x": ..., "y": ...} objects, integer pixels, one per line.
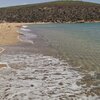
[{"x": 58, "y": 11}]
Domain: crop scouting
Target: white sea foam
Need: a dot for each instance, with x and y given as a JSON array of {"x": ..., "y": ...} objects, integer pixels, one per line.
[
  {"x": 25, "y": 40},
  {"x": 25, "y": 29},
  {"x": 2, "y": 50},
  {"x": 24, "y": 26},
  {"x": 38, "y": 77},
  {"x": 26, "y": 36}
]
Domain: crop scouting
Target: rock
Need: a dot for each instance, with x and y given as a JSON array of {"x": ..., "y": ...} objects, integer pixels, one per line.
[{"x": 60, "y": 83}]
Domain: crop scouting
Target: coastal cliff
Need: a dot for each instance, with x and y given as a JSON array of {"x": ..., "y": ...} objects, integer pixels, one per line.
[{"x": 57, "y": 12}]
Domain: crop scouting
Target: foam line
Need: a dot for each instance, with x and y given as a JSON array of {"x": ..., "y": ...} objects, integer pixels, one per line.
[
  {"x": 24, "y": 26},
  {"x": 24, "y": 40},
  {"x": 28, "y": 41},
  {"x": 2, "y": 50},
  {"x": 23, "y": 29}
]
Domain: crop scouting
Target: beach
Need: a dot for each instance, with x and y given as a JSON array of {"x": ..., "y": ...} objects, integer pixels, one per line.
[
  {"x": 8, "y": 33},
  {"x": 8, "y": 36},
  {"x": 27, "y": 72}
]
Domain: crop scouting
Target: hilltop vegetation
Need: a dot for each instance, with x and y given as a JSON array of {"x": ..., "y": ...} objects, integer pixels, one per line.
[{"x": 58, "y": 11}]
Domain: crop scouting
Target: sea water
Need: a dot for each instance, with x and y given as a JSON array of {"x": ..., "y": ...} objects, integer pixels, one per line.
[
  {"x": 79, "y": 43},
  {"x": 35, "y": 76}
]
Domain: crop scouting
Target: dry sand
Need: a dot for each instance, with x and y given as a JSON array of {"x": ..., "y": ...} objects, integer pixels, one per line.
[{"x": 8, "y": 34}]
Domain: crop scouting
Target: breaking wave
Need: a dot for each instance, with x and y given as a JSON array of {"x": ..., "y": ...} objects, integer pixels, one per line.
[
  {"x": 26, "y": 35},
  {"x": 38, "y": 77}
]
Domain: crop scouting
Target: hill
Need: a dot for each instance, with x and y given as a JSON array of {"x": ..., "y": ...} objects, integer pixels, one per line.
[{"x": 57, "y": 11}]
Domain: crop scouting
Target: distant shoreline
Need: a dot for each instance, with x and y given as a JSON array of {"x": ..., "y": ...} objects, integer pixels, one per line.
[
  {"x": 69, "y": 22},
  {"x": 9, "y": 34},
  {"x": 53, "y": 12}
]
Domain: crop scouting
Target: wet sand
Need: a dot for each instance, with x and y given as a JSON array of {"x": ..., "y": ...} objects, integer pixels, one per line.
[
  {"x": 8, "y": 36},
  {"x": 29, "y": 75}
]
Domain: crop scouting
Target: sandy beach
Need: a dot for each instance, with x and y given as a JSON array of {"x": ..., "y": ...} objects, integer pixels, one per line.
[{"x": 8, "y": 33}]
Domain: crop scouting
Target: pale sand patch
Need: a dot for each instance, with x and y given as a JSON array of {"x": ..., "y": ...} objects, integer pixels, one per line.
[{"x": 8, "y": 33}]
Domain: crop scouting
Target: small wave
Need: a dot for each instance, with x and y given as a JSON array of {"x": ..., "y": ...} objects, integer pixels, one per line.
[
  {"x": 25, "y": 29},
  {"x": 26, "y": 35},
  {"x": 24, "y": 26},
  {"x": 23, "y": 40},
  {"x": 40, "y": 77},
  {"x": 1, "y": 50}
]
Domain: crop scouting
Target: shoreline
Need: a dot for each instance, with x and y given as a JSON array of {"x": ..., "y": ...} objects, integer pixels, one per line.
[
  {"x": 25, "y": 23},
  {"x": 69, "y": 22},
  {"x": 8, "y": 34},
  {"x": 6, "y": 29},
  {"x": 2, "y": 65},
  {"x": 2, "y": 50},
  {"x": 25, "y": 65}
]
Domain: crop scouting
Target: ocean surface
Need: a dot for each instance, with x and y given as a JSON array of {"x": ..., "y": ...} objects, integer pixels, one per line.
[{"x": 77, "y": 43}]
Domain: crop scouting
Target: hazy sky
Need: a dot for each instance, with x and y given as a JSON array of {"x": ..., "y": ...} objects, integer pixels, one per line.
[{"x": 4, "y": 3}]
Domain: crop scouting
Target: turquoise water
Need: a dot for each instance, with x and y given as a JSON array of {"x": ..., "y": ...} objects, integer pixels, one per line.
[{"x": 78, "y": 43}]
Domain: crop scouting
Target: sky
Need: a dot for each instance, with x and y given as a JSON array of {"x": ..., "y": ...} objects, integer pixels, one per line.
[{"x": 5, "y": 3}]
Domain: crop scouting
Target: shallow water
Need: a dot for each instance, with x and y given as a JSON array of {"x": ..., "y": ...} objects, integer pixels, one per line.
[
  {"x": 33, "y": 76},
  {"x": 38, "y": 77},
  {"x": 78, "y": 43}
]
